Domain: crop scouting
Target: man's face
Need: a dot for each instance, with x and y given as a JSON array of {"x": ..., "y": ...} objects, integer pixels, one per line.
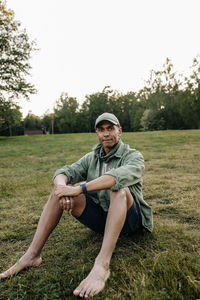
[{"x": 108, "y": 135}]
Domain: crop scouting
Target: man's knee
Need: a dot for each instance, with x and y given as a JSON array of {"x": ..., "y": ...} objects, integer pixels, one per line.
[
  {"x": 122, "y": 195},
  {"x": 52, "y": 195},
  {"x": 79, "y": 205}
]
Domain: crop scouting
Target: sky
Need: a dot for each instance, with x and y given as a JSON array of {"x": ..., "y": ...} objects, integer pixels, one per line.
[{"x": 85, "y": 45}]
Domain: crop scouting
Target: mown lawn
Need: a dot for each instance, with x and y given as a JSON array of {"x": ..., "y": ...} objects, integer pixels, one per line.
[{"x": 162, "y": 265}]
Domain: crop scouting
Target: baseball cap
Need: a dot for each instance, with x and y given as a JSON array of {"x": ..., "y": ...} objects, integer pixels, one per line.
[{"x": 107, "y": 117}]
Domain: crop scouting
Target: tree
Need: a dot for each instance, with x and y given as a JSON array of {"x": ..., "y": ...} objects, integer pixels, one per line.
[
  {"x": 65, "y": 113},
  {"x": 124, "y": 106},
  {"x": 152, "y": 120},
  {"x": 161, "y": 99},
  {"x": 48, "y": 122},
  {"x": 15, "y": 52},
  {"x": 32, "y": 121},
  {"x": 94, "y": 105},
  {"x": 195, "y": 88},
  {"x": 10, "y": 116},
  {"x": 98, "y": 103}
]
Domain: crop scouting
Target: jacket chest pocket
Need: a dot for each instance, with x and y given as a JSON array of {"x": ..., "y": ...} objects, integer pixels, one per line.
[{"x": 113, "y": 164}]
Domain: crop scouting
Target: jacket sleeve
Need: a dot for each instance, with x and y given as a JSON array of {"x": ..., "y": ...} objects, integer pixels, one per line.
[
  {"x": 130, "y": 172},
  {"x": 76, "y": 172}
]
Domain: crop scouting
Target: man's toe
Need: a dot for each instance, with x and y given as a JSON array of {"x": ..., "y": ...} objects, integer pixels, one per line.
[
  {"x": 76, "y": 292},
  {"x": 79, "y": 291},
  {"x": 88, "y": 293}
]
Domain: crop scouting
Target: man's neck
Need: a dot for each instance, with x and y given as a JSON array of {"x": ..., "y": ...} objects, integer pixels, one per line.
[{"x": 108, "y": 149}]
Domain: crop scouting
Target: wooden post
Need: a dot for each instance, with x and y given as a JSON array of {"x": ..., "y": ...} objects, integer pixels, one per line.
[{"x": 52, "y": 125}]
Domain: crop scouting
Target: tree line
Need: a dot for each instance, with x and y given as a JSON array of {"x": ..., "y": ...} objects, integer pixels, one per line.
[{"x": 168, "y": 100}]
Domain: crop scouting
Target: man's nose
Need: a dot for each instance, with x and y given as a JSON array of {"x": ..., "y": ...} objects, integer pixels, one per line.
[{"x": 106, "y": 132}]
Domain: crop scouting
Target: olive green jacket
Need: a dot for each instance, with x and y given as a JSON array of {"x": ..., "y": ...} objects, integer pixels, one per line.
[{"x": 122, "y": 162}]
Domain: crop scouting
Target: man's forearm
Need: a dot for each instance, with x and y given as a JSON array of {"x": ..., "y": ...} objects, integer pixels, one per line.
[
  {"x": 62, "y": 189},
  {"x": 102, "y": 183},
  {"x": 60, "y": 179}
]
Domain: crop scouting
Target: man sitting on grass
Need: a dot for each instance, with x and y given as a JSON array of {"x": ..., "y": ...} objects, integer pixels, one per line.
[{"x": 110, "y": 202}]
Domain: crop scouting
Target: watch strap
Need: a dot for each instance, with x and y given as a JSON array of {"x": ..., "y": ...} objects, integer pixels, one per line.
[{"x": 83, "y": 185}]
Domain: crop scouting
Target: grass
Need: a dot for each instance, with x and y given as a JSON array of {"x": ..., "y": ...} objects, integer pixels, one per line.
[{"x": 162, "y": 265}]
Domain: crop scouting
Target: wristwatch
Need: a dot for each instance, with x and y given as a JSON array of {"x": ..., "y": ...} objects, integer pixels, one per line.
[{"x": 83, "y": 185}]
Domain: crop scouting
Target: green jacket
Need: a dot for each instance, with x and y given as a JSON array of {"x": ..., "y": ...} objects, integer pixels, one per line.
[{"x": 122, "y": 162}]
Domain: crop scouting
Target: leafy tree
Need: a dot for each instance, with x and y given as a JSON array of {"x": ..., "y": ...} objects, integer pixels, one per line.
[
  {"x": 153, "y": 120},
  {"x": 65, "y": 113},
  {"x": 15, "y": 52},
  {"x": 137, "y": 112},
  {"x": 32, "y": 121},
  {"x": 48, "y": 122},
  {"x": 160, "y": 97},
  {"x": 98, "y": 103},
  {"x": 146, "y": 119},
  {"x": 10, "y": 116},
  {"x": 94, "y": 105},
  {"x": 82, "y": 120},
  {"x": 129, "y": 109},
  {"x": 194, "y": 83}
]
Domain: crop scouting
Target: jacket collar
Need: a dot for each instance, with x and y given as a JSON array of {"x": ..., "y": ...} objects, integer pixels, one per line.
[{"x": 116, "y": 151}]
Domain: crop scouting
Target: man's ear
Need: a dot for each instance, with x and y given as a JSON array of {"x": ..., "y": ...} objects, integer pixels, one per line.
[{"x": 120, "y": 131}]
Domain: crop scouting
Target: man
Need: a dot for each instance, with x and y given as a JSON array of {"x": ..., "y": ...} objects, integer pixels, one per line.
[{"x": 110, "y": 202}]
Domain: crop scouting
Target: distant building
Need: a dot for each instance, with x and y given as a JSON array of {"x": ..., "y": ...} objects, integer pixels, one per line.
[{"x": 33, "y": 131}]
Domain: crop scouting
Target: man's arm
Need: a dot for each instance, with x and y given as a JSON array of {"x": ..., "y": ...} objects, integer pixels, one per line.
[
  {"x": 60, "y": 179},
  {"x": 130, "y": 172},
  {"x": 76, "y": 172},
  {"x": 102, "y": 183}
]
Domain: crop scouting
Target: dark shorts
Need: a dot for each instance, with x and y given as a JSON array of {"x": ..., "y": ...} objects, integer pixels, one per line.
[{"x": 94, "y": 217}]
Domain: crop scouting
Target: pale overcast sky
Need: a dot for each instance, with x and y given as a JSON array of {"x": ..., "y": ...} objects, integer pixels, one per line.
[{"x": 88, "y": 44}]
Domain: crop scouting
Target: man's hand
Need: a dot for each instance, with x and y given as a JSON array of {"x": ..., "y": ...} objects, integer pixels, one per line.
[
  {"x": 67, "y": 203},
  {"x": 67, "y": 191}
]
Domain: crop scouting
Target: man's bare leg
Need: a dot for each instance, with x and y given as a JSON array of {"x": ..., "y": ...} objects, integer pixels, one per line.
[
  {"x": 50, "y": 217},
  {"x": 120, "y": 202}
]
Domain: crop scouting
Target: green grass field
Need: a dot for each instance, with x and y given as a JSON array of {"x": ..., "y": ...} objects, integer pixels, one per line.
[{"x": 162, "y": 265}]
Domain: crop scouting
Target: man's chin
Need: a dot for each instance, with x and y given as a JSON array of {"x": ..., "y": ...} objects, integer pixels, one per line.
[{"x": 108, "y": 145}]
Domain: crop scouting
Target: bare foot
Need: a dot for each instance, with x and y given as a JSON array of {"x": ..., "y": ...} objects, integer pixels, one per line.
[
  {"x": 94, "y": 282},
  {"x": 25, "y": 261}
]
